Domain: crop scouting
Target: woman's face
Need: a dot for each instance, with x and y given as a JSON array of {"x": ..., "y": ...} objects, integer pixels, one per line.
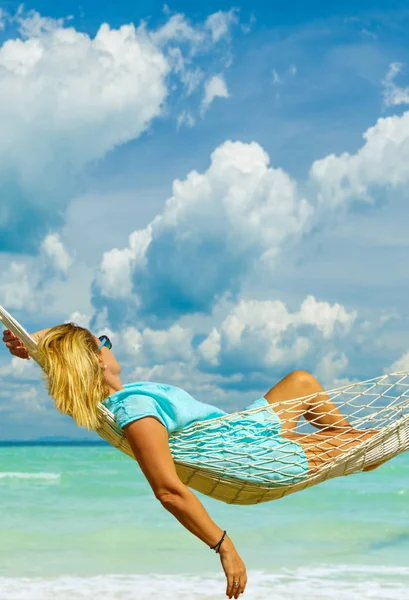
[{"x": 107, "y": 358}]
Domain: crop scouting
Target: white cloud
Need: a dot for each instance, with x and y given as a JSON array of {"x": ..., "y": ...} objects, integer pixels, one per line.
[
  {"x": 114, "y": 275},
  {"x": 213, "y": 229},
  {"x": 381, "y": 161},
  {"x": 215, "y": 87},
  {"x": 401, "y": 364},
  {"x": 21, "y": 401},
  {"x": 79, "y": 319},
  {"x": 17, "y": 378},
  {"x": 17, "y": 288},
  {"x": 56, "y": 253},
  {"x": 262, "y": 334},
  {"x": 32, "y": 25},
  {"x": 324, "y": 316},
  {"x": 29, "y": 397},
  {"x": 189, "y": 76},
  {"x": 68, "y": 98},
  {"x": 220, "y": 22},
  {"x": 191, "y": 79},
  {"x": 330, "y": 367},
  {"x": 240, "y": 212},
  {"x": 185, "y": 118},
  {"x": 27, "y": 285},
  {"x": 393, "y": 94},
  {"x": 210, "y": 348},
  {"x": 254, "y": 340},
  {"x": 200, "y": 38},
  {"x": 21, "y": 369},
  {"x": 158, "y": 346},
  {"x": 178, "y": 29}
]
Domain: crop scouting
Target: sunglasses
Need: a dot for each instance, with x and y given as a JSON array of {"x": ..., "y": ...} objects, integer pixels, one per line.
[{"x": 105, "y": 341}]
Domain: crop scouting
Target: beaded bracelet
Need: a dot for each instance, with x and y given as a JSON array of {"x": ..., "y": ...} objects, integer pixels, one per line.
[{"x": 216, "y": 548}]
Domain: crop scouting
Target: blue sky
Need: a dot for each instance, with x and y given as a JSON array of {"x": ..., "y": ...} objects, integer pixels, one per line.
[{"x": 223, "y": 191}]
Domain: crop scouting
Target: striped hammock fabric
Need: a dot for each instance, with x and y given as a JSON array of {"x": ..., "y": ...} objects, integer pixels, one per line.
[{"x": 380, "y": 404}]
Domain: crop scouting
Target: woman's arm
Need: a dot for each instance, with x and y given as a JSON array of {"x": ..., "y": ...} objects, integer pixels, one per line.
[
  {"x": 16, "y": 347},
  {"x": 148, "y": 439},
  {"x": 39, "y": 333}
]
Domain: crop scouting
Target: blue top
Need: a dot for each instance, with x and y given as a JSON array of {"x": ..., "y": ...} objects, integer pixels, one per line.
[
  {"x": 172, "y": 406},
  {"x": 249, "y": 446}
]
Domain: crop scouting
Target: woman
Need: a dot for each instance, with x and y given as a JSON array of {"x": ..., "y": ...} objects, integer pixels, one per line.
[{"x": 81, "y": 371}]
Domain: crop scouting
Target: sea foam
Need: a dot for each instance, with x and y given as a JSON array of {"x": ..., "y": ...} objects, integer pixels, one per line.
[
  {"x": 329, "y": 583},
  {"x": 18, "y": 475}
]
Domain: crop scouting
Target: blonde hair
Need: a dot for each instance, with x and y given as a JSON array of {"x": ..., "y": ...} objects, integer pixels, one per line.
[{"x": 74, "y": 377}]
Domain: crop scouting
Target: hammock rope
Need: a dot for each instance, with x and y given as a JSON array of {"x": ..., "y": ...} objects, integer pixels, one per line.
[{"x": 380, "y": 404}]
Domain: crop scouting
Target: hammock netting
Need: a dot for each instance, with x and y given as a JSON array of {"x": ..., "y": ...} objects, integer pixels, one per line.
[{"x": 378, "y": 408}]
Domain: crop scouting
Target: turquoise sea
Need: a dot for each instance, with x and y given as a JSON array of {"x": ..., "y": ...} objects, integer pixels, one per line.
[{"x": 80, "y": 522}]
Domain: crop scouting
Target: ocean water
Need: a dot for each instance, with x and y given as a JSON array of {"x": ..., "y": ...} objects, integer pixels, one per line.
[{"x": 82, "y": 523}]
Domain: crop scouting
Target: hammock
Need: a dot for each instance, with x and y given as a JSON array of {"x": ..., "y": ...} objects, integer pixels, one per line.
[{"x": 381, "y": 403}]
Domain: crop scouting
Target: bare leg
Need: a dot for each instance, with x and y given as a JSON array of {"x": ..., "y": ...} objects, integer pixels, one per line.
[
  {"x": 300, "y": 394},
  {"x": 296, "y": 395},
  {"x": 321, "y": 447}
]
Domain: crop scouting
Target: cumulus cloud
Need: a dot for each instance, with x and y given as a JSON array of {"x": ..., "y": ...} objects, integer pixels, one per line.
[
  {"x": 393, "y": 94},
  {"x": 210, "y": 348},
  {"x": 329, "y": 369},
  {"x": 25, "y": 284},
  {"x": 114, "y": 278},
  {"x": 215, "y": 87},
  {"x": 220, "y": 223},
  {"x": 67, "y": 99},
  {"x": 259, "y": 335},
  {"x": 53, "y": 248},
  {"x": 324, "y": 316},
  {"x": 381, "y": 162},
  {"x": 213, "y": 229},
  {"x": 254, "y": 342},
  {"x": 158, "y": 346},
  {"x": 80, "y": 319}
]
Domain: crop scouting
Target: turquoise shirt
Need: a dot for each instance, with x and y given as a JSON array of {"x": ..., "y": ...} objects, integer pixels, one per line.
[
  {"x": 249, "y": 447},
  {"x": 172, "y": 406}
]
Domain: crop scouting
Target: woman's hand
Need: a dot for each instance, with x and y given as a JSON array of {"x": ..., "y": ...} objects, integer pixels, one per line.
[
  {"x": 16, "y": 347},
  {"x": 234, "y": 570},
  {"x": 148, "y": 439}
]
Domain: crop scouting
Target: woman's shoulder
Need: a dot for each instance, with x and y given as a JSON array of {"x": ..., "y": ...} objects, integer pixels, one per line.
[{"x": 144, "y": 392}]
